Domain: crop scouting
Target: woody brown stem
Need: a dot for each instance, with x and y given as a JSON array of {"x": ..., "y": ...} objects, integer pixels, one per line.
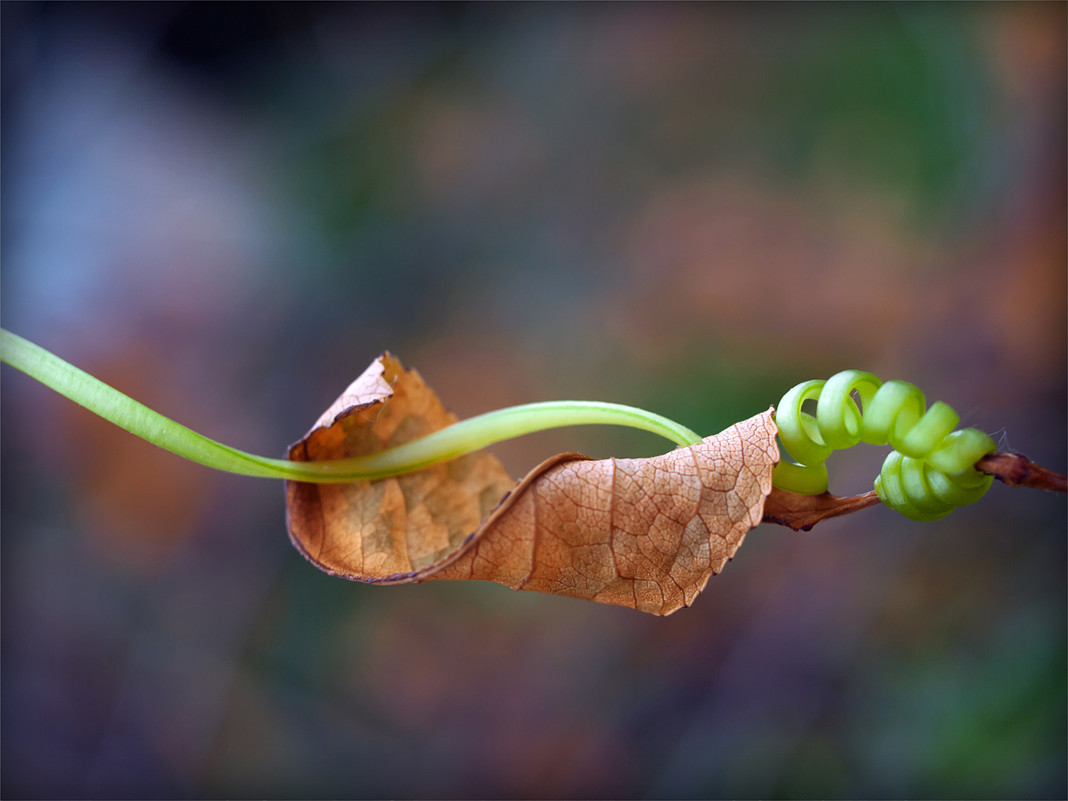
[
  {"x": 1017, "y": 470},
  {"x": 802, "y": 512}
]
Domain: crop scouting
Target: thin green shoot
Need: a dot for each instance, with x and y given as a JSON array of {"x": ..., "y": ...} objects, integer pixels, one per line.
[{"x": 448, "y": 443}]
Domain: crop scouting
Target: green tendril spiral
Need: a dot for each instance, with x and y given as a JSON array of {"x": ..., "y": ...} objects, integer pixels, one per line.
[{"x": 929, "y": 473}]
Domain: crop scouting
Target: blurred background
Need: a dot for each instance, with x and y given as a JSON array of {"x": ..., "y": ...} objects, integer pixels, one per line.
[{"x": 227, "y": 211}]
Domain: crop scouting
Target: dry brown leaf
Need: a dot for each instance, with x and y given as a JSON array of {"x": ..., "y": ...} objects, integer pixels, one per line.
[{"x": 643, "y": 533}]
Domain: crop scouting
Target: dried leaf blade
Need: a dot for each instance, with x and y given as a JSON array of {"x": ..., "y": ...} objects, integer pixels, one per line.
[{"x": 642, "y": 533}]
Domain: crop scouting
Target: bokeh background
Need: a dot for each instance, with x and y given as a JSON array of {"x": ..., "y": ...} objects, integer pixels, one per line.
[{"x": 227, "y": 211}]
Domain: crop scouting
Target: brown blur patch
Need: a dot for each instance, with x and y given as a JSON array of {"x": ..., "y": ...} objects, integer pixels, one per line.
[
  {"x": 135, "y": 500},
  {"x": 532, "y": 726},
  {"x": 473, "y": 151},
  {"x": 703, "y": 251},
  {"x": 1027, "y": 260},
  {"x": 1026, "y": 48}
]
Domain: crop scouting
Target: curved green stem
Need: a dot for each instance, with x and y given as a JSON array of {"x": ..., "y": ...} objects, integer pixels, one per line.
[{"x": 448, "y": 443}]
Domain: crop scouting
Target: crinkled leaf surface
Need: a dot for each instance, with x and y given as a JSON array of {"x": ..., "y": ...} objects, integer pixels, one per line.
[{"x": 643, "y": 533}]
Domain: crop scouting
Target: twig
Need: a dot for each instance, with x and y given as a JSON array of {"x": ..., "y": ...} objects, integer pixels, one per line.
[
  {"x": 802, "y": 512},
  {"x": 1017, "y": 470}
]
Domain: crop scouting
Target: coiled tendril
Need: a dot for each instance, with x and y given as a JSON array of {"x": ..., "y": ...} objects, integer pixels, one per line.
[{"x": 929, "y": 473}]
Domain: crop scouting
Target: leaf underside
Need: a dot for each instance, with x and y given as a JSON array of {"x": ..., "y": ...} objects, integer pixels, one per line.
[{"x": 641, "y": 533}]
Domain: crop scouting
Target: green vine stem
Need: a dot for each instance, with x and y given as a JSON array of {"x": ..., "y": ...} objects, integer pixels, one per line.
[
  {"x": 448, "y": 443},
  {"x": 915, "y": 481}
]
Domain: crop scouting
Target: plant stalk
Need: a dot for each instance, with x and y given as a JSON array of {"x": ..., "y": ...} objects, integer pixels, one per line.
[{"x": 448, "y": 443}]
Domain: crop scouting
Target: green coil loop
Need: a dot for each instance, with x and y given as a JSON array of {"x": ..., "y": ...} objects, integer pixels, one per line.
[{"x": 929, "y": 473}]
